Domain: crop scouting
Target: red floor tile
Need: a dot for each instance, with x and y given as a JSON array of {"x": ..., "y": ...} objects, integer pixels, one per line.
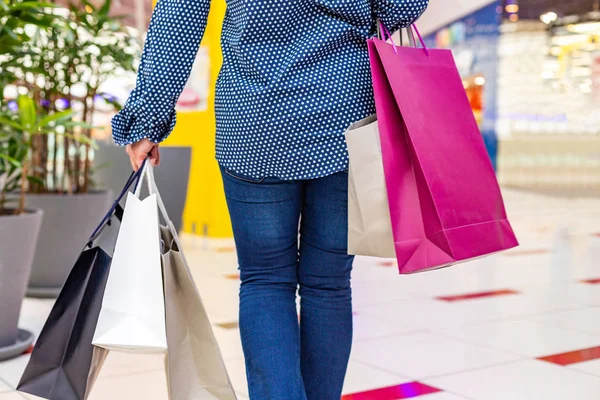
[
  {"x": 387, "y": 264},
  {"x": 591, "y": 281},
  {"x": 480, "y": 295},
  {"x": 573, "y": 357},
  {"x": 404, "y": 391}
]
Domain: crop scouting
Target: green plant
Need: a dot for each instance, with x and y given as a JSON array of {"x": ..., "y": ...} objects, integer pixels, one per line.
[
  {"x": 19, "y": 129},
  {"x": 62, "y": 64},
  {"x": 15, "y": 15},
  {"x": 12, "y": 158}
]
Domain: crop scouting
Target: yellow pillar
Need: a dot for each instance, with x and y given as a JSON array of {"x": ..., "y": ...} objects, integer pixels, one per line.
[{"x": 205, "y": 209}]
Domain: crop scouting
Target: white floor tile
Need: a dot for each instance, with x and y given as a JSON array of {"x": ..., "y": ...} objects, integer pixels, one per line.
[
  {"x": 369, "y": 293},
  {"x": 527, "y": 380},
  {"x": 366, "y": 270},
  {"x": 147, "y": 386},
  {"x": 526, "y": 338},
  {"x": 577, "y": 294},
  {"x": 585, "y": 320},
  {"x": 12, "y": 396},
  {"x": 237, "y": 374},
  {"x": 220, "y": 297},
  {"x": 361, "y": 378},
  {"x": 4, "y": 386},
  {"x": 230, "y": 343},
  {"x": 421, "y": 355},
  {"x": 589, "y": 367},
  {"x": 440, "y": 396},
  {"x": 11, "y": 370},
  {"x": 424, "y": 314},
  {"x": 464, "y": 278},
  {"x": 367, "y": 327},
  {"x": 513, "y": 306}
]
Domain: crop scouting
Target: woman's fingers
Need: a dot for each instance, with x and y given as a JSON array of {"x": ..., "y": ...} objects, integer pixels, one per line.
[
  {"x": 131, "y": 155},
  {"x": 139, "y": 159},
  {"x": 140, "y": 151},
  {"x": 155, "y": 155}
]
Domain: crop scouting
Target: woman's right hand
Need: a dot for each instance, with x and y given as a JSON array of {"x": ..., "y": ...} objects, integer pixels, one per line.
[{"x": 144, "y": 149}]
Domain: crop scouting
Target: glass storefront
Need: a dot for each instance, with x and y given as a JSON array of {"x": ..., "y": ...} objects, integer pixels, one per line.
[
  {"x": 548, "y": 94},
  {"x": 534, "y": 86}
]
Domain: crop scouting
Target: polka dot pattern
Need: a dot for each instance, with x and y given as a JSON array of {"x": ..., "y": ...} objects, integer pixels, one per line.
[{"x": 295, "y": 75}]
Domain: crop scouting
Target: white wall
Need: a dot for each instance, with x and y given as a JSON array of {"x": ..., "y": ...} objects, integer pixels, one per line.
[{"x": 442, "y": 12}]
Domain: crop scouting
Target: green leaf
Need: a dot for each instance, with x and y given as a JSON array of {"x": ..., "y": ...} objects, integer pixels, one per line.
[
  {"x": 27, "y": 112},
  {"x": 72, "y": 124},
  {"x": 13, "y": 161},
  {"x": 105, "y": 7},
  {"x": 6, "y": 121},
  {"x": 30, "y": 5},
  {"x": 36, "y": 180},
  {"x": 4, "y": 137},
  {"x": 56, "y": 117}
]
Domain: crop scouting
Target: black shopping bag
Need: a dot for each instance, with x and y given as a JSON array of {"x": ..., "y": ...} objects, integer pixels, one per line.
[{"x": 64, "y": 363}]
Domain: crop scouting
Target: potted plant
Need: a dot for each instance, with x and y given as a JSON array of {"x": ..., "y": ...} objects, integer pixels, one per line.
[
  {"x": 63, "y": 66},
  {"x": 19, "y": 226}
]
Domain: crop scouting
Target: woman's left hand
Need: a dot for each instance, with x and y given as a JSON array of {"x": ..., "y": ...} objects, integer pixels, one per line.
[{"x": 144, "y": 149}]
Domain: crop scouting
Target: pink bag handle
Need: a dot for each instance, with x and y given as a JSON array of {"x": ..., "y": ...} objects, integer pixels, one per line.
[{"x": 387, "y": 35}]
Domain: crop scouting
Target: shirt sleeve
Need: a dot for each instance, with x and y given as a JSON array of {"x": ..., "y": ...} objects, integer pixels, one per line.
[
  {"x": 174, "y": 35},
  {"x": 397, "y": 14}
]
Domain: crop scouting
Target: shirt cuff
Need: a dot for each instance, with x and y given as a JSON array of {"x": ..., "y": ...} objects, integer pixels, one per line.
[{"x": 129, "y": 126}]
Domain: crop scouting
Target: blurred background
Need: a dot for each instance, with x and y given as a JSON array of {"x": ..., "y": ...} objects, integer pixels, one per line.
[{"x": 531, "y": 70}]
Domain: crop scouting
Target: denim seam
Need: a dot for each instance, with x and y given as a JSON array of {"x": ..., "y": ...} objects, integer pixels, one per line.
[
  {"x": 257, "y": 202},
  {"x": 248, "y": 180}
]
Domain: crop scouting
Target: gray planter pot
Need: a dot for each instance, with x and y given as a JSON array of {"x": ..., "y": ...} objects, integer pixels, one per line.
[
  {"x": 172, "y": 177},
  {"x": 68, "y": 222},
  {"x": 18, "y": 237}
]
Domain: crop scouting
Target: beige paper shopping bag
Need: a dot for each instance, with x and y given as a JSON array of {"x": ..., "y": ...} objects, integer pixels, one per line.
[
  {"x": 369, "y": 223},
  {"x": 194, "y": 365},
  {"x": 195, "y": 368}
]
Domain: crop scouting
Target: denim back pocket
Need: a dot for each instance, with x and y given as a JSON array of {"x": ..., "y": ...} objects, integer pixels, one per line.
[{"x": 241, "y": 177}]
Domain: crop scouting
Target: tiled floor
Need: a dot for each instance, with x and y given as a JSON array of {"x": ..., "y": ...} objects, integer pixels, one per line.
[{"x": 524, "y": 325}]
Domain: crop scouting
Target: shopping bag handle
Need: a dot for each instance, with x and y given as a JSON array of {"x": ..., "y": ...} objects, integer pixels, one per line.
[
  {"x": 386, "y": 35},
  {"x": 148, "y": 176},
  {"x": 134, "y": 177}
]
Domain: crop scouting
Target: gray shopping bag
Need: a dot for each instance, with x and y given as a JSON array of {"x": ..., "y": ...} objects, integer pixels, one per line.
[{"x": 194, "y": 365}]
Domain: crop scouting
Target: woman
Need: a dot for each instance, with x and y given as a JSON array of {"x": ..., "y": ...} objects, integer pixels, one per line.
[{"x": 295, "y": 75}]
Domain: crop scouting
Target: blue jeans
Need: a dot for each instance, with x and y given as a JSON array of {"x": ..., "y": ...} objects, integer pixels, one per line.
[{"x": 287, "y": 358}]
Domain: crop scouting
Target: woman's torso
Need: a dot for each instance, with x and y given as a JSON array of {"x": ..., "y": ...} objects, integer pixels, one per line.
[{"x": 295, "y": 75}]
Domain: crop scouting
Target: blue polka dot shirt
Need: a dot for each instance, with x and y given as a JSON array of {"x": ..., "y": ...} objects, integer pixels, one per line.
[{"x": 295, "y": 75}]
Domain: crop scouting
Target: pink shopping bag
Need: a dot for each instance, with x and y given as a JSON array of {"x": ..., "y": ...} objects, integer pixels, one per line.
[{"x": 445, "y": 202}]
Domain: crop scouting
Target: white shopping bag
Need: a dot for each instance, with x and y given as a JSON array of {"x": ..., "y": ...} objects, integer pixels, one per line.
[
  {"x": 132, "y": 317},
  {"x": 369, "y": 222}
]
